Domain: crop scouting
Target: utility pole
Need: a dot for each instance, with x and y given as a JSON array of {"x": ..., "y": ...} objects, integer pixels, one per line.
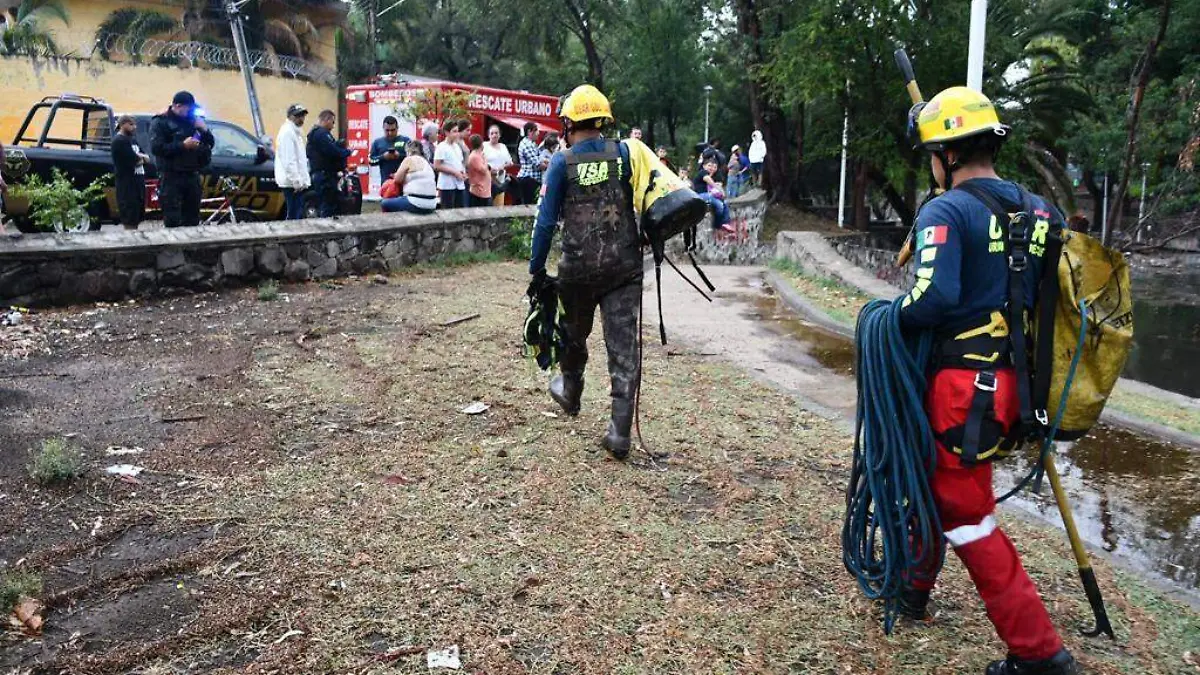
[
  {"x": 1104, "y": 214},
  {"x": 976, "y": 44},
  {"x": 842, "y": 180},
  {"x": 707, "y": 94},
  {"x": 239, "y": 43},
  {"x": 373, "y": 31}
]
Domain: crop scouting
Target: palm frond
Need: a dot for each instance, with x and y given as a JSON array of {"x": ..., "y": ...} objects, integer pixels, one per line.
[
  {"x": 279, "y": 34},
  {"x": 31, "y": 10}
]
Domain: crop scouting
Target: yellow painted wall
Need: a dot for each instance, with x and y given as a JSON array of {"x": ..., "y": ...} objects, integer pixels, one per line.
[{"x": 148, "y": 89}]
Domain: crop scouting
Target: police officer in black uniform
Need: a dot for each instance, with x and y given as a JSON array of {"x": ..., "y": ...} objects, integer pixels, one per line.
[
  {"x": 182, "y": 147},
  {"x": 326, "y": 161}
]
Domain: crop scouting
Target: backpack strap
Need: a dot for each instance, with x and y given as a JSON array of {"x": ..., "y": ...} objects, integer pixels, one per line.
[
  {"x": 1048, "y": 295},
  {"x": 1016, "y": 227}
]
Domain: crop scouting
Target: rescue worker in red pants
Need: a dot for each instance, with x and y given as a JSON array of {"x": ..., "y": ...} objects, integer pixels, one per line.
[{"x": 961, "y": 292}]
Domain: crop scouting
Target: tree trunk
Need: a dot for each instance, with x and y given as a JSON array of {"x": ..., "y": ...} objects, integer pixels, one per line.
[
  {"x": 910, "y": 189},
  {"x": 897, "y": 201},
  {"x": 671, "y": 124},
  {"x": 799, "y": 188},
  {"x": 1117, "y": 207},
  {"x": 861, "y": 218},
  {"x": 768, "y": 118},
  {"x": 649, "y": 134},
  {"x": 581, "y": 27},
  {"x": 1094, "y": 188}
]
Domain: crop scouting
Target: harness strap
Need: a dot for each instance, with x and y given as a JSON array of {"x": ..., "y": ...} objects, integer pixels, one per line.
[
  {"x": 1043, "y": 357},
  {"x": 1016, "y": 227},
  {"x": 982, "y": 408}
]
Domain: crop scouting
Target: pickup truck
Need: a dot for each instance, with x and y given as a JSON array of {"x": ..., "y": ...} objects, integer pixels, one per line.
[{"x": 73, "y": 133}]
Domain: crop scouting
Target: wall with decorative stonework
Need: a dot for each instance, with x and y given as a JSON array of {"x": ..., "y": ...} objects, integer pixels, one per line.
[{"x": 59, "y": 269}]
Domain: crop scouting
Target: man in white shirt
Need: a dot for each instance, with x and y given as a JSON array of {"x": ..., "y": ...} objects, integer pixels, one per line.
[
  {"x": 498, "y": 159},
  {"x": 291, "y": 161},
  {"x": 450, "y": 166}
]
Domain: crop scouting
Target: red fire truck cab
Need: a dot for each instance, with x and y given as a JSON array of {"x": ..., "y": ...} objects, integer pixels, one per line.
[{"x": 368, "y": 104}]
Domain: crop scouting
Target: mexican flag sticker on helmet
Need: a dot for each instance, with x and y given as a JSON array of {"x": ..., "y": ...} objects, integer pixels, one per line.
[{"x": 953, "y": 123}]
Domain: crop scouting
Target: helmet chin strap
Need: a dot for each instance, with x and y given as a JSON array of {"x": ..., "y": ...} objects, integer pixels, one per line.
[{"x": 947, "y": 168}]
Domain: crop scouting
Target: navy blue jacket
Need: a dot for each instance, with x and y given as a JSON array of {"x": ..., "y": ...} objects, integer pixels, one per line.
[
  {"x": 961, "y": 268},
  {"x": 553, "y": 186},
  {"x": 324, "y": 154}
]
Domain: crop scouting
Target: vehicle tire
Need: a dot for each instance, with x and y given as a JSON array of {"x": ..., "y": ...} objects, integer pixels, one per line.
[
  {"x": 350, "y": 197},
  {"x": 312, "y": 206}
]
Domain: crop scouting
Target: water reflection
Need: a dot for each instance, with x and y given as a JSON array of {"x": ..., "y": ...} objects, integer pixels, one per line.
[
  {"x": 1132, "y": 496},
  {"x": 1166, "y": 335}
]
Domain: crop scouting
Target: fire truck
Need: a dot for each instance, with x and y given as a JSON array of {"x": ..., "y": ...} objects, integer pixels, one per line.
[{"x": 368, "y": 104}]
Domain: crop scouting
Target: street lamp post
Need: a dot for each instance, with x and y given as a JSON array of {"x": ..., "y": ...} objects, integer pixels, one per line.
[
  {"x": 975, "y": 44},
  {"x": 707, "y": 94}
]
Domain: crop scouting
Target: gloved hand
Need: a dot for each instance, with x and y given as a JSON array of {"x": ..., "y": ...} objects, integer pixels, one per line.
[{"x": 537, "y": 283}]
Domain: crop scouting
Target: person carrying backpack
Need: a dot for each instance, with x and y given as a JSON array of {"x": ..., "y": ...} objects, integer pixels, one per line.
[
  {"x": 590, "y": 187},
  {"x": 970, "y": 269}
]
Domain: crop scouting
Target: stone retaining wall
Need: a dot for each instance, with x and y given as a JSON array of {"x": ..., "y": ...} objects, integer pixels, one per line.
[
  {"x": 815, "y": 253},
  {"x": 741, "y": 246},
  {"x": 863, "y": 251},
  {"x": 58, "y": 269}
]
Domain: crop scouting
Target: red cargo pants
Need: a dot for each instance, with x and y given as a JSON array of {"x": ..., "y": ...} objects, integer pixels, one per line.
[{"x": 966, "y": 506}]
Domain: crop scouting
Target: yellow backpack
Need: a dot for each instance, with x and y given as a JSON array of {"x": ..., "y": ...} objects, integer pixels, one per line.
[
  {"x": 1092, "y": 333},
  {"x": 1083, "y": 329}
]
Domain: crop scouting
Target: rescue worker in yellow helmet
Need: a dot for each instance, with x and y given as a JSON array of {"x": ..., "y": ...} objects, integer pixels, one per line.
[
  {"x": 588, "y": 187},
  {"x": 975, "y": 271}
]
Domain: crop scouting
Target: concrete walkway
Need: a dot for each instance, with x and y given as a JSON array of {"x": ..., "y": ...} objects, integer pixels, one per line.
[{"x": 730, "y": 328}]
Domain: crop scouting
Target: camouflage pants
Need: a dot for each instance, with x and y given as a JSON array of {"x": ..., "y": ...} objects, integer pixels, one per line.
[{"x": 619, "y": 306}]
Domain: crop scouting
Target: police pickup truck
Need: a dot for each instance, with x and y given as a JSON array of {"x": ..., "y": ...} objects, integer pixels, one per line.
[{"x": 73, "y": 134}]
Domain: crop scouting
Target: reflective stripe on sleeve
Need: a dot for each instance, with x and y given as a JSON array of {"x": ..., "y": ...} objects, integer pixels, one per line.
[{"x": 961, "y": 536}]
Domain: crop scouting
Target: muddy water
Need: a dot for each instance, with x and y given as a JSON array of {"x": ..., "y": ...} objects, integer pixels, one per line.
[
  {"x": 1166, "y": 317},
  {"x": 823, "y": 347},
  {"x": 1132, "y": 496}
]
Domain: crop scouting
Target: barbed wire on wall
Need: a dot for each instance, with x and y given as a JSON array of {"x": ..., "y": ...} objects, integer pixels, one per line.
[{"x": 195, "y": 54}]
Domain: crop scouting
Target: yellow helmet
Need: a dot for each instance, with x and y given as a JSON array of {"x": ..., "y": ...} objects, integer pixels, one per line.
[
  {"x": 585, "y": 102},
  {"x": 954, "y": 114}
]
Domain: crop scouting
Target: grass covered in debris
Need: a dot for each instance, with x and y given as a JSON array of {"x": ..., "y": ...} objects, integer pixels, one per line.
[
  {"x": 839, "y": 301},
  {"x": 1165, "y": 412},
  {"x": 393, "y": 523}
]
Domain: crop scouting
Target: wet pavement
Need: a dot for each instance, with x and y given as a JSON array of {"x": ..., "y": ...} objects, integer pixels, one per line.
[{"x": 1132, "y": 496}]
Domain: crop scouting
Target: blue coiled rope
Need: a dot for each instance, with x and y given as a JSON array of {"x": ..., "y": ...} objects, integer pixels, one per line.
[{"x": 891, "y": 534}]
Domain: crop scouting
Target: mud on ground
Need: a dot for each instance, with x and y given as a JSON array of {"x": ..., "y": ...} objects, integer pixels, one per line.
[{"x": 314, "y": 501}]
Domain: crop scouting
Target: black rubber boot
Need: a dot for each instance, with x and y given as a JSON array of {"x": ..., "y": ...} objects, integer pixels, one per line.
[
  {"x": 914, "y": 604},
  {"x": 1061, "y": 663},
  {"x": 566, "y": 390},
  {"x": 617, "y": 440}
]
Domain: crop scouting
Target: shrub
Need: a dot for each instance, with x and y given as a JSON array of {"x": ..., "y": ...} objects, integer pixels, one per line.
[
  {"x": 15, "y": 584},
  {"x": 56, "y": 205},
  {"x": 268, "y": 290},
  {"x": 55, "y": 462},
  {"x": 520, "y": 239}
]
